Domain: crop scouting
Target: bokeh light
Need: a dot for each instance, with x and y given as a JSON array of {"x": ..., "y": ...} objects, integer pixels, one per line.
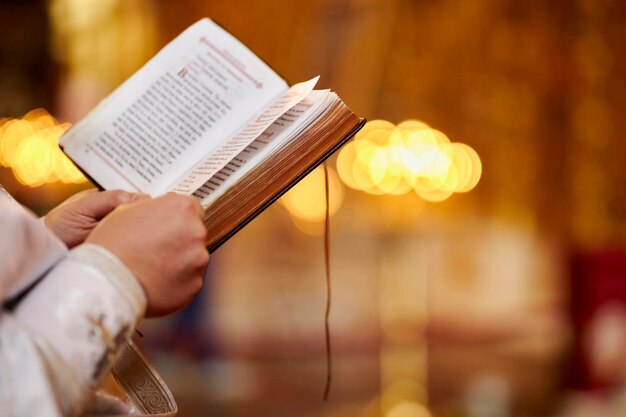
[
  {"x": 394, "y": 160},
  {"x": 401, "y": 392},
  {"x": 306, "y": 202},
  {"x": 29, "y": 146},
  {"x": 408, "y": 409}
]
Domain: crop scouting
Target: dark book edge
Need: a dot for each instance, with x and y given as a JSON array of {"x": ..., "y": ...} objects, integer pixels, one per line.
[
  {"x": 82, "y": 171},
  {"x": 215, "y": 245}
]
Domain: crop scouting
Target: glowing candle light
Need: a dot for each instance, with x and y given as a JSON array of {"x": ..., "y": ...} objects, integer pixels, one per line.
[
  {"x": 392, "y": 160},
  {"x": 29, "y": 146}
]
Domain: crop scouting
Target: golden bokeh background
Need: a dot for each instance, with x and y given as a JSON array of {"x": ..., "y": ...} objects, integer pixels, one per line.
[{"x": 478, "y": 230}]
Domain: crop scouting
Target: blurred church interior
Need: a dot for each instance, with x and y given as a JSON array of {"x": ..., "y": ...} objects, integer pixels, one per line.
[{"x": 505, "y": 300}]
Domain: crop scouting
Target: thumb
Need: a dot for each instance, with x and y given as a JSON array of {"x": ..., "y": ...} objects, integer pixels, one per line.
[{"x": 99, "y": 204}]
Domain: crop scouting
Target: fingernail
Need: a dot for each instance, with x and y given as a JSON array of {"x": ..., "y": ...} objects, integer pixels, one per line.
[{"x": 139, "y": 197}]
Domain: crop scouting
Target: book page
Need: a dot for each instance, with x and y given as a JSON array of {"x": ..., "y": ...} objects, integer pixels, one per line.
[
  {"x": 194, "y": 94},
  {"x": 204, "y": 170},
  {"x": 283, "y": 130}
]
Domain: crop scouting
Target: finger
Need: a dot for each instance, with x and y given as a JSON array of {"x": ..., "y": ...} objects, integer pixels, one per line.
[
  {"x": 186, "y": 201},
  {"x": 140, "y": 197},
  {"x": 199, "y": 208},
  {"x": 89, "y": 191},
  {"x": 98, "y": 205},
  {"x": 78, "y": 196}
]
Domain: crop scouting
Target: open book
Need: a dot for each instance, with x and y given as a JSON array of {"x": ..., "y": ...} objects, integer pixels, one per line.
[{"x": 207, "y": 117}]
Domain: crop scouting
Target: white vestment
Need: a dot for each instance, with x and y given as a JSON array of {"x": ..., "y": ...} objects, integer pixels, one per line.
[{"x": 60, "y": 337}]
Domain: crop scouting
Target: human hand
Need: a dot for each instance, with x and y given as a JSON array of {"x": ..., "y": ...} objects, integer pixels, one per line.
[
  {"x": 162, "y": 241},
  {"x": 76, "y": 217}
]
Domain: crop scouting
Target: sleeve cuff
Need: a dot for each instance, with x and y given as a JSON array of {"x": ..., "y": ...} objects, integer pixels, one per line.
[
  {"x": 81, "y": 314},
  {"x": 115, "y": 271}
]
